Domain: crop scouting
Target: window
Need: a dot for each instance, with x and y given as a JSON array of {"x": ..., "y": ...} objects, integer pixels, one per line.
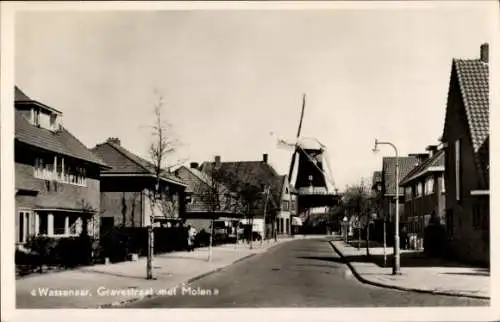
[
  {"x": 292, "y": 204},
  {"x": 419, "y": 190},
  {"x": 286, "y": 205},
  {"x": 43, "y": 224},
  {"x": 429, "y": 186},
  {"x": 36, "y": 116},
  {"x": 24, "y": 226},
  {"x": 54, "y": 124},
  {"x": 458, "y": 177},
  {"x": 57, "y": 168},
  {"x": 408, "y": 193},
  {"x": 59, "y": 225},
  {"x": 442, "y": 183}
]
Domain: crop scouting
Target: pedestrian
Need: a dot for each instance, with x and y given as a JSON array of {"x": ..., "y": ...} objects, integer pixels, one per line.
[
  {"x": 404, "y": 238},
  {"x": 191, "y": 237}
]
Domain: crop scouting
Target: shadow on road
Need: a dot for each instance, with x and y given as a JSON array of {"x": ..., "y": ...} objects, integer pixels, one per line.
[
  {"x": 477, "y": 273},
  {"x": 324, "y": 258},
  {"x": 410, "y": 260}
]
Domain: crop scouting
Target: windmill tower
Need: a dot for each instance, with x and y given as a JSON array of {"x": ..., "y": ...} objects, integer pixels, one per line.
[{"x": 310, "y": 173}]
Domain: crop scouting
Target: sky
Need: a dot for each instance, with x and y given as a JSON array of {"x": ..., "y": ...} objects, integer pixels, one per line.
[{"x": 230, "y": 78}]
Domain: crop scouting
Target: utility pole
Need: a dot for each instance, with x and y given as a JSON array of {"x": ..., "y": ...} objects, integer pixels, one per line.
[
  {"x": 396, "y": 269},
  {"x": 368, "y": 236}
]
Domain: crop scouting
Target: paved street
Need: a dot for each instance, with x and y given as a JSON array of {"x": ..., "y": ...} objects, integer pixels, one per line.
[{"x": 300, "y": 273}]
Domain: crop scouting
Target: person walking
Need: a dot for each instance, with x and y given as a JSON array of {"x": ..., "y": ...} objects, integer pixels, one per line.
[{"x": 191, "y": 237}]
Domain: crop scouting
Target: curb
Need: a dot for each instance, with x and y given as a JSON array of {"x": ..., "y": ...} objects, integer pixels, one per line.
[
  {"x": 401, "y": 288},
  {"x": 120, "y": 303}
]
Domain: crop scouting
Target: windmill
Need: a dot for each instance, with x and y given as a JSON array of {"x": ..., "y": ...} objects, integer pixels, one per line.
[{"x": 310, "y": 172}]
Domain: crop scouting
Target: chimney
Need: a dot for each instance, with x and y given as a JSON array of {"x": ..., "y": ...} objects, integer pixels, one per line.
[
  {"x": 114, "y": 141},
  {"x": 217, "y": 161},
  {"x": 420, "y": 156},
  {"x": 485, "y": 53},
  {"x": 432, "y": 149},
  {"x": 194, "y": 165},
  {"x": 265, "y": 157}
]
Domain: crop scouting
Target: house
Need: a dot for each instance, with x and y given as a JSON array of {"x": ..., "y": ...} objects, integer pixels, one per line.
[
  {"x": 207, "y": 198},
  {"x": 56, "y": 176},
  {"x": 389, "y": 184},
  {"x": 424, "y": 196},
  {"x": 259, "y": 188},
  {"x": 466, "y": 145},
  {"x": 288, "y": 207},
  {"x": 127, "y": 186}
]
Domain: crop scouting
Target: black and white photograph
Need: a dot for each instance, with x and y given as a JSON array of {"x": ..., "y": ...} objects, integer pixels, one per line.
[{"x": 249, "y": 155}]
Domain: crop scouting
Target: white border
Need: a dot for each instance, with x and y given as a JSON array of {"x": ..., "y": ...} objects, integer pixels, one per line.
[{"x": 345, "y": 314}]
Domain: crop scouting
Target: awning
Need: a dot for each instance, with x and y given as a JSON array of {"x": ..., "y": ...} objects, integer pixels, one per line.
[{"x": 296, "y": 221}]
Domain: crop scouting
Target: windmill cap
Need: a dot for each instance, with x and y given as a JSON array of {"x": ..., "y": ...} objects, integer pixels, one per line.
[{"x": 310, "y": 144}]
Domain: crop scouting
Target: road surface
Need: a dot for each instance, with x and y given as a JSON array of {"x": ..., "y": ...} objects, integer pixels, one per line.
[{"x": 300, "y": 273}]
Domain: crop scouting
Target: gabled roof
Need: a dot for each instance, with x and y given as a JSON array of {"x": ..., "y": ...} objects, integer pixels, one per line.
[
  {"x": 200, "y": 185},
  {"x": 473, "y": 79},
  {"x": 125, "y": 162},
  {"x": 255, "y": 173},
  {"x": 21, "y": 99},
  {"x": 61, "y": 141},
  {"x": 19, "y": 95},
  {"x": 434, "y": 163},
  {"x": 406, "y": 164}
]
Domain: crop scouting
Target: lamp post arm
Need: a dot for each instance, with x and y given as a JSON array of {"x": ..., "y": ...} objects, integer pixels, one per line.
[{"x": 393, "y": 146}]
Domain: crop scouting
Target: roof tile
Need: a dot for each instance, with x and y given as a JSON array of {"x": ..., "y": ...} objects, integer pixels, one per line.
[
  {"x": 437, "y": 160},
  {"x": 123, "y": 161},
  {"x": 62, "y": 141},
  {"x": 406, "y": 164},
  {"x": 473, "y": 77}
]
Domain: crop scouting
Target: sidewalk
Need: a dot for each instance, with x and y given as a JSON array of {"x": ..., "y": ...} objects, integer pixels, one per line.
[
  {"x": 114, "y": 284},
  {"x": 419, "y": 273}
]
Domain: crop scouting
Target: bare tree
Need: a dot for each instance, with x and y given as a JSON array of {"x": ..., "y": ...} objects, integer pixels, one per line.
[
  {"x": 161, "y": 199},
  {"x": 357, "y": 202}
]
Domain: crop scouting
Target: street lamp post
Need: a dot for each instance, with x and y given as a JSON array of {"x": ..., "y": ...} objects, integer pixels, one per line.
[{"x": 396, "y": 269}]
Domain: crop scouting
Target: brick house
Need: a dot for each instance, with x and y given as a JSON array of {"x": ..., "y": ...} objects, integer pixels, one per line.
[
  {"x": 126, "y": 187},
  {"x": 387, "y": 197},
  {"x": 466, "y": 145},
  {"x": 259, "y": 178},
  {"x": 424, "y": 196},
  {"x": 56, "y": 176},
  {"x": 206, "y": 198}
]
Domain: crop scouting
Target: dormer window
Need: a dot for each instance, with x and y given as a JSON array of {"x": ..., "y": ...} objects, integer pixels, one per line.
[
  {"x": 35, "y": 116},
  {"x": 53, "y": 122}
]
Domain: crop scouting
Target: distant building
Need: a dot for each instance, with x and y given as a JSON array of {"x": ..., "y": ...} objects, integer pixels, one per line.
[
  {"x": 288, "y": 207},
  {"x": 466, "y": 142},
  {"x": 259, "y": 186},
  {"x": 207, "y": 198},
  {"x": 56, "y": 176},
  {"x": 424, "y": 195},
  {"x": 389, "y": 184},
  {"x": 126, "y": 188}
]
